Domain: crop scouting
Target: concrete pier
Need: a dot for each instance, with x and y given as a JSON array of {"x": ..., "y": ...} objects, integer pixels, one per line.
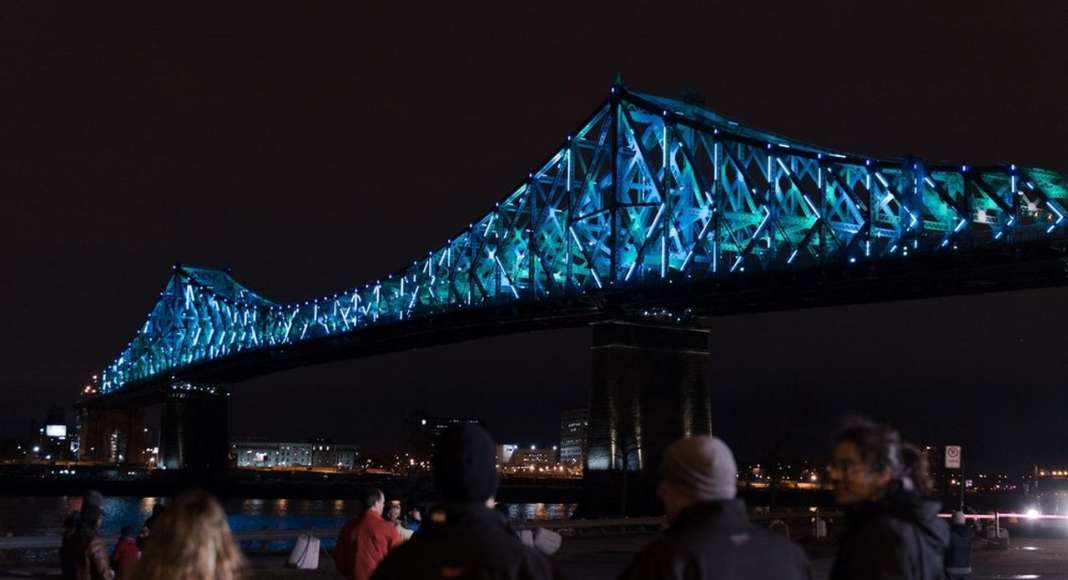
[{"x": 650, "y": 386}]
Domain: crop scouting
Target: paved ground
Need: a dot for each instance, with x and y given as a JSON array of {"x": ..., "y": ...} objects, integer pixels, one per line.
[
  {"x": 1026, "y": 559},
  {"x": 603, "y": 558}
]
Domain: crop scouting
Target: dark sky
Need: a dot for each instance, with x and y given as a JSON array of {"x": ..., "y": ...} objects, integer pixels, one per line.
[{"x": 314, "y": 146}]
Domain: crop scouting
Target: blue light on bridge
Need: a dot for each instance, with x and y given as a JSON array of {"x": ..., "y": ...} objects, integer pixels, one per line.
[{"x": 649, "y": 191}]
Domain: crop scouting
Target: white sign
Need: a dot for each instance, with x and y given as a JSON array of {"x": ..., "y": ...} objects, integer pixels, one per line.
[{"x": 952, "y": 456}]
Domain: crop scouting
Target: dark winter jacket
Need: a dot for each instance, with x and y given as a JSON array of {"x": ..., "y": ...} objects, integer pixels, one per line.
[
  {"x": 959, "y": 554},
  {"x": 897, "y": 538},
  {"x": 461, "y": 542},
  {"x": 83, "y": 556},
  {"x": 716, "y": 541}
]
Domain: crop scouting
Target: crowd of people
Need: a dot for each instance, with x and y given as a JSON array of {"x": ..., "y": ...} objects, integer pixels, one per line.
[
  {"x": 190, "y": 540},
  {"x": 892, "y": 531}
]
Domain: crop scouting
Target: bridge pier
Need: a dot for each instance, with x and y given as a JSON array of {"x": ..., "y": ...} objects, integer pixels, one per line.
[
  {"x": 113, "y": 435},
  {"x": 651, "y": 385},
  {"x": 195, "y": 429}
]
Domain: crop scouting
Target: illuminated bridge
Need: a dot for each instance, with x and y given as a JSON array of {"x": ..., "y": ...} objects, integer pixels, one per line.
[{"x": 653, "y": 211}]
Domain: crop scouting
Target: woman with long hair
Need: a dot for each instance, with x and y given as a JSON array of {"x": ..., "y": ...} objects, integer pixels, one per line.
[
  {"x": 892, "y": 530},
  {"x": 191, "y": 541}
]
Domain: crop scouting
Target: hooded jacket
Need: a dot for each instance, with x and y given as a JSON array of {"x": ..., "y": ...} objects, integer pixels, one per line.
[
  {"x": 715, "y": 540},
  {"x": 461, "y": 542},
  {"x": 897, "y": 538}
]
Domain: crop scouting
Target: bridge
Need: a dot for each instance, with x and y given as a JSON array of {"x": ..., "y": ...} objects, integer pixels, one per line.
[{"x": 653, "y": 214}]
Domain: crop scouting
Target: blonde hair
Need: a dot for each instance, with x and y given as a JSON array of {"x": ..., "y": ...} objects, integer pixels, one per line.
[{"x": 191, "y": 541}]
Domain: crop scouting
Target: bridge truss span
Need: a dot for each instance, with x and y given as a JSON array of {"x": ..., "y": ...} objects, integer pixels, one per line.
[{"x": 648, "y": 192}]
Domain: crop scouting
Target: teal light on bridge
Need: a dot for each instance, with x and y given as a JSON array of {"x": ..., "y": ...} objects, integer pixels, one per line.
[{"x": 649, "y": 191}]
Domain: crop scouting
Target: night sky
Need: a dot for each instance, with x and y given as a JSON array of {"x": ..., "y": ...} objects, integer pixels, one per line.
[{"x": 314, "y": 146}]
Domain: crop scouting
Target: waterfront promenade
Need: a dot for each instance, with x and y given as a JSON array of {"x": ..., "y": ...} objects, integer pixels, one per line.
[{"x": 603, "y": 558}]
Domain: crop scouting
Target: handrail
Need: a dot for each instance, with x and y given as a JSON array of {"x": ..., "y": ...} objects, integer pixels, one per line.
[{"x": 54, "y": 541}]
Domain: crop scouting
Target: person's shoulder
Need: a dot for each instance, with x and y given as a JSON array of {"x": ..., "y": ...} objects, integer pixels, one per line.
[
  {"x": 884, "y": 526},
  {"x": 419, "y": 557},
  {"x": 776, "y": 545},
  {"x": 881, "y": 536},
  {"x": 384, "y": 524},
  {"x": 508, "y": 553},
  {"x": 665, "y": 547},
  {"x": 658, "y": 557},
  {"x": 400, "y": 562}
]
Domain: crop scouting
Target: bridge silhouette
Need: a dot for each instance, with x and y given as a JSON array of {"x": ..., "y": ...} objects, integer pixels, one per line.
[{"x": 655, "y": 211}]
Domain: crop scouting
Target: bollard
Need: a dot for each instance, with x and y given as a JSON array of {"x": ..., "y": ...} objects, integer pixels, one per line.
[{"x": 819, "y": 528}]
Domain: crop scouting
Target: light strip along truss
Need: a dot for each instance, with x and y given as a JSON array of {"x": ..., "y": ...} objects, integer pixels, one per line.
[{"x": 648, "y": 191}]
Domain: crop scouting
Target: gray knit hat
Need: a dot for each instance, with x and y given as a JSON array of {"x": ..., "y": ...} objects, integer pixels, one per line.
[
  {"x": 703, "y": 466},
  {"x": 94, "y": 498}
]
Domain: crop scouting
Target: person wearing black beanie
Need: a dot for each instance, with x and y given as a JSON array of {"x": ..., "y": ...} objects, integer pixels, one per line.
[
  {"x": 465, "y": 465},
  {"x": 464, "y": 537}
]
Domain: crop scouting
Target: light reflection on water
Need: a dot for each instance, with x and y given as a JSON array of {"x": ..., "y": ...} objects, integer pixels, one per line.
[
  {"x": 36, "y": 516},
  {"x": 539, "y": 511}
]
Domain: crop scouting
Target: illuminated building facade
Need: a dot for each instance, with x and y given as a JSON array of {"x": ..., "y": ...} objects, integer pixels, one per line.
[
  {"x": 325, "y": 453},
  {"x": 573, "y": 426},
  {"x": 317, "y": 453},
  {"x": 267, "y": 455}
]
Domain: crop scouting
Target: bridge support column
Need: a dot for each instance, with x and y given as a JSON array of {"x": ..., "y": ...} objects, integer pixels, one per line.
[
  {"x": 651, "y": 385},
  {"x": 113, "y": 435},
  {"x": 195, "y": 430}
]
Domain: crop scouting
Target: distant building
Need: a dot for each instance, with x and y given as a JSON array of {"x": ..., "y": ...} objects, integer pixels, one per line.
[
  {"x": 266, "y": 455},
  {"x": 515, "y": 460},
  {"x": 504, "y": 454},
  {"x": 325, "y": 453},
  {"x": 573, "y": 425},
  {"x": 423, "y": 430},
  {"x": 532, "y": 457},
  {"x": 1049, "y": 488},
  {"x": 51, "y": 441},
  {"x": 317, "y": 453}
]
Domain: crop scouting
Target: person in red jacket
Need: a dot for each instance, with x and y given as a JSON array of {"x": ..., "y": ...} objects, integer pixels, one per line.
[
  {"x": 126, "y": 554},
  {"x": 364, "y": 542}
]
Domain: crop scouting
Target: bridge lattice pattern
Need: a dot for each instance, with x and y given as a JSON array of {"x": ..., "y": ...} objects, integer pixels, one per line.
[{"x": 648, "y": 191}]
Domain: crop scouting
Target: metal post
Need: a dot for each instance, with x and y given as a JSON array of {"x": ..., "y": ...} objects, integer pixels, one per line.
[{"x": 962, "y": 485}]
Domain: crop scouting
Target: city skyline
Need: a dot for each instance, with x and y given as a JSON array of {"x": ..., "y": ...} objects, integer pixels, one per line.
[{"x": 237, "y": 145}]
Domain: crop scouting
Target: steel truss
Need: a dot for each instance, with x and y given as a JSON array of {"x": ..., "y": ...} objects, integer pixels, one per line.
[{"x": 649, "y": 191}]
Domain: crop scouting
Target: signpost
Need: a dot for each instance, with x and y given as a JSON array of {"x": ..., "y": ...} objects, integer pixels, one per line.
[
  {"x": 953, "y": 461},
  {"x": 952, "y": 456}
]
